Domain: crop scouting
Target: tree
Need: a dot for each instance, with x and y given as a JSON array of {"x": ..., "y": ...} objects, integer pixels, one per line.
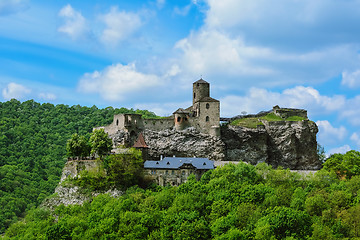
[
  {"x": 124, "y": 170},
  {"x": 100, "y": 143},
  {"x": 77, "y": 146}
]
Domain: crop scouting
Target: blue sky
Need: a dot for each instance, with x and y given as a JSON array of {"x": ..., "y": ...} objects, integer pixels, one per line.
[{"x": 146, "y": 54}]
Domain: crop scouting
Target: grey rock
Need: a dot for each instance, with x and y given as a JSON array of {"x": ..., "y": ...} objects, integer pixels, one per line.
[{"x": 290, "y": 144}]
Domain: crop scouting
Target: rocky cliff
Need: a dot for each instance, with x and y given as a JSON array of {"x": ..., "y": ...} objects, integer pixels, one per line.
[{"x": 291, "y": 144}]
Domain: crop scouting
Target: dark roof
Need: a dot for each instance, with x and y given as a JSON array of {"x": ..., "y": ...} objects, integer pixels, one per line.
[
  {"x": 181, "y": 110},
  {"x": 201, "y": 81},
  {"x": 208, "y": 99},
  {"x": 177, "y": 162},
  {"x": 140, "y": 143}
]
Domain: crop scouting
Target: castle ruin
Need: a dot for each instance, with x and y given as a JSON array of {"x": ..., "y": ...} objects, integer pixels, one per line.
[{"x": 203, "y": 115}]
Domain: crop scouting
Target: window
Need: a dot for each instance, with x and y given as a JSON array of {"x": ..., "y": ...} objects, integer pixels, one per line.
[
  {"x": 207, "y": 106},
  {"x": 166, "y": 172},
  {"x": 117, "y": 122},
  {"x": 178, "y": 119},
  {"x": 194, "y": 95},
  {"x": 207, "y": 118}
]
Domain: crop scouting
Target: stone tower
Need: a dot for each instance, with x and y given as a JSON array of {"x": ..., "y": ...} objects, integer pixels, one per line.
[
  {"x": 206, "y": 108},
  {"x": 201, "y": 89}
]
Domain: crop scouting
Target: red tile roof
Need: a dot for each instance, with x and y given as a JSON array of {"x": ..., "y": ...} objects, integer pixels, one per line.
[{"x": 140, "y": 142}]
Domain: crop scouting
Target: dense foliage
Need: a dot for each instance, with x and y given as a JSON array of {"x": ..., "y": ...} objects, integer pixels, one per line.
[
  {"x": 32, "y": 149},
  {"x": 231, "y": 202},
  {"x": 118, "y": 171}
]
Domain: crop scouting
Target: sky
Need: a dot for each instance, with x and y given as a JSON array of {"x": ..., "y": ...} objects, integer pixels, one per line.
[{"x": 146, "y": 54}]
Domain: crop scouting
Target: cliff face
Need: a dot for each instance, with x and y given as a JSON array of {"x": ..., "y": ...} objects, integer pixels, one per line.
[
  {"x": 285, "y": 143},
  {"x": 291, "y": 144}
]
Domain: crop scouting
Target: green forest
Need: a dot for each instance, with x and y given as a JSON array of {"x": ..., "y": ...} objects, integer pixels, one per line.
[
  {"x": 231, "y": 202},
  {"x": 33, "y": 140}
]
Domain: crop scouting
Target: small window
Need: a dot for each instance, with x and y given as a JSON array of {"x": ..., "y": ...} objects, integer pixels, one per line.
[
  {"x": 204, "y": 163},
  {"x": 194, "y": 95},
  {"x": 207, "y": 118},
  {"x": 207, "y": 106},
  {"x": 185, "y": 118},
  {"x": 178, "y": 119},
  {"x": 168, "y": 163},
  {"x": 166, "y": 172},
  {"x": 172, "y": 172},
  {"x": 117, "y": 122}
]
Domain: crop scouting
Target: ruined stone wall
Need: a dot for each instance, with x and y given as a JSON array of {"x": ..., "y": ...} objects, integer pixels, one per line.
[
  {"x": 74, "y": 167},
  {"x": 158, "y": 124},
  {"x": 289, "y": 112}
]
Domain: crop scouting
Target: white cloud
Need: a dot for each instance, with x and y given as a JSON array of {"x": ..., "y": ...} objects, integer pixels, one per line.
[
  {"x": 351, "y": 111},
  {"x": 259, "y": 99},
  {"x": 225, "y": 55},
  {"x": 75, "y": 24},
  {"x": 47, "y": 96},
  {"x": 12, "y": 6},
  {"x": 355, "y": 138},
  {"x": 14, "y": 90},
  {"x": 342, "y": 150},
  {"x": 119, "y": 25},
  {"x": 116, "y": 81},
  {"x": 329, "y": 134},
  {"x": 351, "y": 79}
]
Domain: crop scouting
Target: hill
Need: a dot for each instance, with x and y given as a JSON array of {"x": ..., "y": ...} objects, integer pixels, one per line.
[{"x": 32, "y": 149}]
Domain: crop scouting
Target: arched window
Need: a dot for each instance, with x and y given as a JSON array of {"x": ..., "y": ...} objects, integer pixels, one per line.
[
  {"x": 207, "y": 106},
  {"x": 207, "y": 118},
  {"x": 178, "y": 119},
  {"x": 117, "y": 122}
]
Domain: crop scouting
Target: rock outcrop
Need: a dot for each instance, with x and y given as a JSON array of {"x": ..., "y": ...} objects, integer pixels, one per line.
[{"x": 291, "y": 144}]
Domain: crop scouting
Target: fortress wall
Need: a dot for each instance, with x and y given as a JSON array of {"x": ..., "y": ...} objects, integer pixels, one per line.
[
  {"x": 289, "y": 112},
  {"x": 158, "y": 124}
]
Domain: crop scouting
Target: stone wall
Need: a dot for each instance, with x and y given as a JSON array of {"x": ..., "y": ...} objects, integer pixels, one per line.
[{"x": 158, "y": 124}]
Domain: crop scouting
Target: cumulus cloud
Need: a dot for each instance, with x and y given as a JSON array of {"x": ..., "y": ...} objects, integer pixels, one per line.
[
  {"x": 117, "y": 80},
  {"x": 14, "y": 90},
  {"x": 342, "y": 150},
  {"x": 351, "y": 79},
  {"x": 75, "y": 24},
  {"x": 287, "y": 24},
  {"x": 329, "y": 134},
  {"x": 12, "y": 6},
  {"x": 258, "y": 99},
  {"x": 227, "y": 56},
  {"x": 119, "y": 25},
  {"x": 355, "y": 138},
  {"x": 351, "y": 111}
]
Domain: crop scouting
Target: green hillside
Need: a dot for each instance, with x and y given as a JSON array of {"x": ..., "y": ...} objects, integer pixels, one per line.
[
  {"x": 231, "y": 202},
  {"x": 32, "y": 149}
]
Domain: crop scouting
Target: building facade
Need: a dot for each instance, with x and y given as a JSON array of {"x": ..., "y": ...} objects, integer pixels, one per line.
[{"x": 175, "y": 171}]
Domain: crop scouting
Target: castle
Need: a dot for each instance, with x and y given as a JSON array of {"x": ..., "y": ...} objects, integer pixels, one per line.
[{"x": 203, "y": 115}]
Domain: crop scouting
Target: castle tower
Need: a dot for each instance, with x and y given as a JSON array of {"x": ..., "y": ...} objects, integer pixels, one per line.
[
  {"x": 201, "y": 89},
  {"x": 205, "y": 108},
  {"x": 181, "y": 118}
]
